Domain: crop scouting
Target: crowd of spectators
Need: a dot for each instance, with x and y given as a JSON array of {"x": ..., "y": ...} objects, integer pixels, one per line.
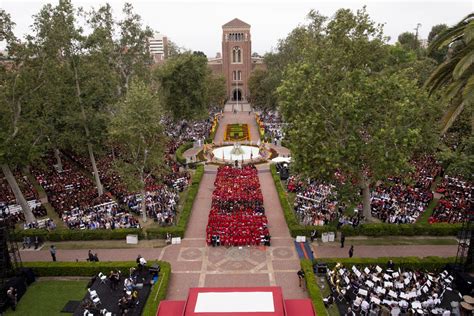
[
  {"x": 402, "y": 202},
  {"x": 315, "y": 201},
  {"x": 273, "y": 125},
  {"x": 161, "y": 194},
  {"x": 6, "y": 194},
  {"x": 108, "y": 215},
  {"x": 376, "y": 291},
  {"x": 237, "y": 216},
  {"x": 457, "y": 199},
  {"x": 74, "y": 197},
  {"x": 395, "y": 201},
  {"x": 183, "y": 130},
  {"x": 12, "y": 212}
]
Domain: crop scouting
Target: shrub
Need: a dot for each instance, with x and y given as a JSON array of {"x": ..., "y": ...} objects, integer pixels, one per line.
[
  {"x": 417, "y": 263},
  {"x": 180, "y": 151},
  {"x": 159, "y": 292},
  {"x": 72, "y": 234},
  {"x": 371, "y": 229},
  {"x": 313, "y": 288}
]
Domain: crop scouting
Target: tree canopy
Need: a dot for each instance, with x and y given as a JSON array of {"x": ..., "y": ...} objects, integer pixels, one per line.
[
  {"x": 346, "y": 114},
  {"x": 183, "y": 81}
]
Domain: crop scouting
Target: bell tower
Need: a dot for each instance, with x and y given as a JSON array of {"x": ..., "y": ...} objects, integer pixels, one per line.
[{"x": 236, "y": 58}]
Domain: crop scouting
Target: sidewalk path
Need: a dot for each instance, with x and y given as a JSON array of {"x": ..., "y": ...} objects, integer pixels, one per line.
[{"x": 385, "y": 251}]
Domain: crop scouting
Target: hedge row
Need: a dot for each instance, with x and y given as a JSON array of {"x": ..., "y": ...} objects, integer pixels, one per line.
[
  {"x": 86, "y": 234},
  {"x": 415, "y": 263},
  {"x": 313, "y": 288},
  {"x": 88, "y": 269},
  {"x": 151, "y": 305},
  {"x": 121, "y": 234},
  {"x": 180, "y": 228},
  {"x": 372, "y": 229},
  {"x": 180, "y": 151}
]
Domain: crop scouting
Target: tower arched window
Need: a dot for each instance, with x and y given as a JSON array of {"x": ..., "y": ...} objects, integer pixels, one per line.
[
  {"x": 236, "y": 55},
  {"x": 239, "y": 75}
]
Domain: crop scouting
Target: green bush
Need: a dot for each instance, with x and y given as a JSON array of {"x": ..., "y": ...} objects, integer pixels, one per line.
[
  {"x": 371, "y": 229},
  {"x": 159, "y": 292},
  {"x": 313, "y": 288},
  {"x": 180, "y": 151},
  {"x": 416, "y": 263},
  {"x": 180, "y": 228},
  {"x": 73, "y": 234}
]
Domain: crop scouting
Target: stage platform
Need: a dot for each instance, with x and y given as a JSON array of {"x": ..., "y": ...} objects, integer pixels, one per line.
[
  {"x": 109, "y": 298},
  {"x": 252, "y": 301}
]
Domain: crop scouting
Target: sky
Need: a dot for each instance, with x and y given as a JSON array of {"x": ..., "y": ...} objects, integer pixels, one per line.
[{"x": 196, "y": 25}]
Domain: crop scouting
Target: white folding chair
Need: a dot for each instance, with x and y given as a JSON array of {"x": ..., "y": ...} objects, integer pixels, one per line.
[
  {"x": 102, "y": 278},
  {"x": 92, "y": 293},
  {"x": 96, "y": 301}
]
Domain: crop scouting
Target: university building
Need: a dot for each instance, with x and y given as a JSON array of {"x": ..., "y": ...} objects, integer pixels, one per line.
[
  {"x": 158, "y": 45},
  {"x": 235, "y": 62}
]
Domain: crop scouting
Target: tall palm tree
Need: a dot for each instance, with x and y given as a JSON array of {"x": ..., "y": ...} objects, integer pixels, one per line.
[{"x": 456, "y": 74}]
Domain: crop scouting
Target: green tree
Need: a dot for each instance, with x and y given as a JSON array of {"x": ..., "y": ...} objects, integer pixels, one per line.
[
  {"x": 408, "y": 41},
  {"x": 216, "y": 90},
  {"x": 438, "y": 55},
  {"x": 133, "y": 57},
  {"x": 137, "y": 131},
  {"x": 262, "y": 90},
  {"x": 20, "y": 133},
  {"x": 183, "y": 80},
  {"x": 455, "y": 76},
  {"x": 172, "y": 49},
  {"x": 57, "y": 28},
  {"x": 346, "y": 115}
]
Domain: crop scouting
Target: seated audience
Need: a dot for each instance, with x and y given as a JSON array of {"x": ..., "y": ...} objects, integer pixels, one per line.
[
  {"x": 237, "y": 216},
  {"x": 456, "y": 201}
]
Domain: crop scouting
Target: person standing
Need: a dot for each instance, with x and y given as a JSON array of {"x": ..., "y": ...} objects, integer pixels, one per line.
[
  {"x": 351, "y": 251},
  {"x": 343, "y": 239},
  {"x": 314, "y": 235},
  {"x": 90, "y": 256},
  {"x": 301, "y": 276},
  {"x": 12, "y": 297},
  {"x": 52, "y": 250}
]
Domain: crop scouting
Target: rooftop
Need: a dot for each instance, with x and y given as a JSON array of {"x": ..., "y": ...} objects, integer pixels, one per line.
[{"x": 235, "y": 23}]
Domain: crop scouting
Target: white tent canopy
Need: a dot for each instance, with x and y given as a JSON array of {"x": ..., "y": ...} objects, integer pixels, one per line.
[{"x": 281, "y": 159}]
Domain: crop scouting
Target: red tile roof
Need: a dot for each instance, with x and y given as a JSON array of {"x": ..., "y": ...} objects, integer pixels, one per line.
[{"x": 236, "y": 23}]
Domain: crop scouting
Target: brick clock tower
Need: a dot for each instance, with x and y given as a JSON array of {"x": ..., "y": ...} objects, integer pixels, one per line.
[{"x": 236, "y": 58}]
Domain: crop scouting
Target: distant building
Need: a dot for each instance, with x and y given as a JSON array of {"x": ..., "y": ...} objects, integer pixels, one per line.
[
  {"x": 236, "y": 61},
  {"x": 158, "y": 47},
  {"x": 424, "y": 43}
]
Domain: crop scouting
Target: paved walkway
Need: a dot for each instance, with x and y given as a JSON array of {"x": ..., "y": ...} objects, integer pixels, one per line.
[
  {"x": 237, "y": 118},
  {"x": 334, "y": 251}
]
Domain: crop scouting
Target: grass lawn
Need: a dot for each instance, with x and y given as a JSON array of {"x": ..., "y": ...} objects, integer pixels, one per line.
[{"x": 49, "y": 297}]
